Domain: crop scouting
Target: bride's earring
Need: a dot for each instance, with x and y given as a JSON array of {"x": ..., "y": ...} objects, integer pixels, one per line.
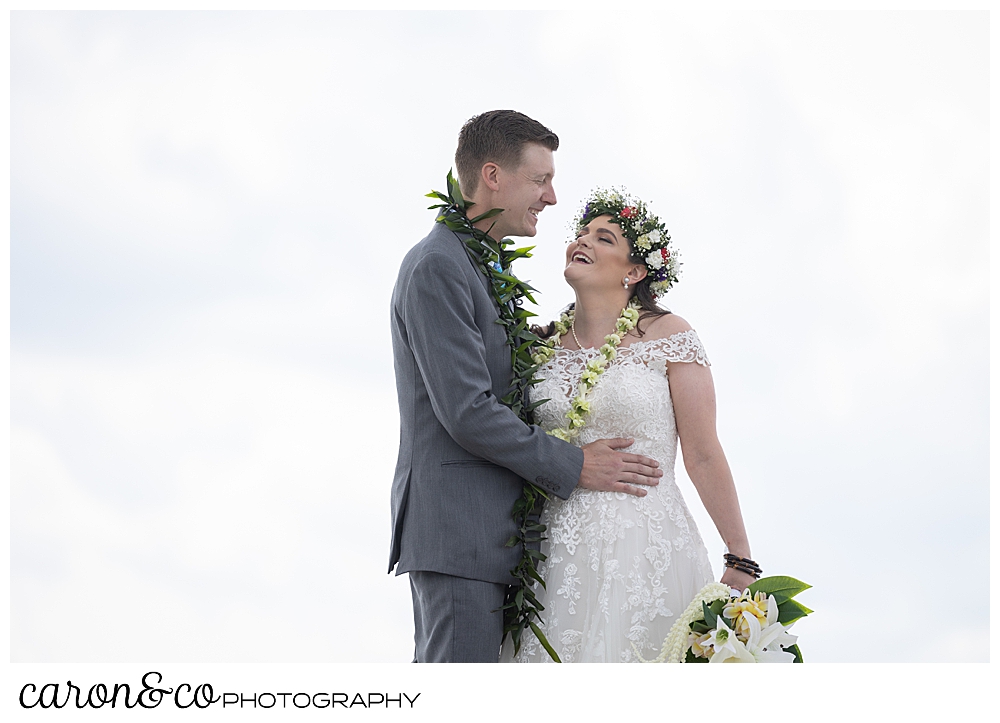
[{"x": 625, "y": 283}]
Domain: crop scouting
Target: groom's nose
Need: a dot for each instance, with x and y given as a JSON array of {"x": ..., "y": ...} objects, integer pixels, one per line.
[{"x": 549, "y": 194}]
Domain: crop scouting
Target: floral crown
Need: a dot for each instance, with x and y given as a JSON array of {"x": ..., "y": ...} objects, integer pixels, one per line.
[{"x": 647, "y": 235}]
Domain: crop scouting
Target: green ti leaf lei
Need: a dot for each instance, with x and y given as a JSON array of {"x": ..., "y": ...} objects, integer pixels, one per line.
[{"x": 494, "y": 258}]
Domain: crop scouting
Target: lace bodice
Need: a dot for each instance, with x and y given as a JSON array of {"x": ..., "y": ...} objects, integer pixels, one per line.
[
  {"x": 619, "y": 567},
  {"x": 632, "y": 398}
]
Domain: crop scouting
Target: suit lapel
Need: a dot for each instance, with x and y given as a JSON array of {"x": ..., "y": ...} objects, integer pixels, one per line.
[{"x": 460, "y": 239}]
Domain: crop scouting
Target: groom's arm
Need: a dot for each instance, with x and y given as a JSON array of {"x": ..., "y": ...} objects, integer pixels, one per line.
[{"x": 439, "y": 315}]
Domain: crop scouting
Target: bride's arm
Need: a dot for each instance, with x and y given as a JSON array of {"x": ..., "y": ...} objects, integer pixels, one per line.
[{"x": 693, "y": 394}]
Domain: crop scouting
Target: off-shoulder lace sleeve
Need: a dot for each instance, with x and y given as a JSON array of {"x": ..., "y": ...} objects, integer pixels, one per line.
[{"x": 684, "y": 346}]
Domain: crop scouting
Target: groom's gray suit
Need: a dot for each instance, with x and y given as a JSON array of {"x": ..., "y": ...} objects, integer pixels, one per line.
[{"x": 462, "y": 453}]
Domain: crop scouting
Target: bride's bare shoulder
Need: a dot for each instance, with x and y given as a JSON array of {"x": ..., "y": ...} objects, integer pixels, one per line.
[{"x": 663, "y": 327}]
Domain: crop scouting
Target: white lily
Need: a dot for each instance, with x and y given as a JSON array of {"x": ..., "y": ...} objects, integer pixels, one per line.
[
  {"x": 781, "y": 639},
  {"x": 728, "y": 648},
  {"x": 773, "y": 636}
]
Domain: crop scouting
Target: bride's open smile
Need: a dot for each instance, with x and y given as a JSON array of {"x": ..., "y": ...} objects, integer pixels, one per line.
[{"x": 600, "y": 256}]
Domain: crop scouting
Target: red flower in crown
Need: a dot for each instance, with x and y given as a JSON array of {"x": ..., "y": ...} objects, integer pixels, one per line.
[
  {"x": 627, "y": 212},
  {"x": 665, "y": 255}
]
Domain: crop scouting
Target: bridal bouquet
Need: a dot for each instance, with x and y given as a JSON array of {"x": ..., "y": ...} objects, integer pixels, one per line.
[{"x": 724, "y": 626}]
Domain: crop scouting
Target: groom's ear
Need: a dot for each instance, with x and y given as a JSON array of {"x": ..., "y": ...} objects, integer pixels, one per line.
[{"x": 490, "y": 176}]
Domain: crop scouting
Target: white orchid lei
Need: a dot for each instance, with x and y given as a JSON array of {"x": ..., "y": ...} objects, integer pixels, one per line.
[
  {"x": 579, "y": 406},
  {"x": 756, "y": 632}
]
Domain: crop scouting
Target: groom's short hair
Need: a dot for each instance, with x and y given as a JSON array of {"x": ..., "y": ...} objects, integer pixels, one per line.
[{"x": 497, "y": 136}]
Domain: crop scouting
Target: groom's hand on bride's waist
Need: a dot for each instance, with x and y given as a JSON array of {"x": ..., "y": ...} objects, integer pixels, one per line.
[{"x": 606, "y": 469}]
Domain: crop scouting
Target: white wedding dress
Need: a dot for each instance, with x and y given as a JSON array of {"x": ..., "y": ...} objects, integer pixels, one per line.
[{"x": 620, "y": 568}]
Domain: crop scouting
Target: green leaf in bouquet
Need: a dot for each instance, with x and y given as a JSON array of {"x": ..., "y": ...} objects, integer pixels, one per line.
[
  {"x": 699, "y": 627},
  {"x": 711, "y": 618},
  {"x": 790, "y": 611},
  {"x": 717, "y": 606},
  {"x": 787, "y": 587},
  {"x": 794, "y": 650}
]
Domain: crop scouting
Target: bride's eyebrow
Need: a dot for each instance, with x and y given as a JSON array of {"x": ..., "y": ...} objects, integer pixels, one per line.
[{"x": 608, "y": 230}]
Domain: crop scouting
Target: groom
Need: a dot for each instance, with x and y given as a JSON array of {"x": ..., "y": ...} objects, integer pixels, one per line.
[{"x": 462, "y": 454}]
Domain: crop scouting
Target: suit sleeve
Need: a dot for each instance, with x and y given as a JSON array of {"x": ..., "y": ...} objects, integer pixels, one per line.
[{"x": 439, "y": 315}]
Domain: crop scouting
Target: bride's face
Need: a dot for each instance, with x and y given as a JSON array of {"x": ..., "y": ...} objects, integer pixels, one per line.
[{"x": 599, "y": 257}]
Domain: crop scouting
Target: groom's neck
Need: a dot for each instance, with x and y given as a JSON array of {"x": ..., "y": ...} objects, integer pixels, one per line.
[{"x": 481, "y": 203}]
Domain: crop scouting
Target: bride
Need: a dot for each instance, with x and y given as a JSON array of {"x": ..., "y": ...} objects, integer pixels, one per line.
[{"x": 621, "y": 568}]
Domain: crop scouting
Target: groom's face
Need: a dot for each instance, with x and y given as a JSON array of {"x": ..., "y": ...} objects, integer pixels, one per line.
[{"x": 525, "y": 192}]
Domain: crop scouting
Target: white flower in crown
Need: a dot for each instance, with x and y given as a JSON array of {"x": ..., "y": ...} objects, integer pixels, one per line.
[
  {"x": 644, "y": 242},
  {"x": 654, "y": 237},
  {"x": 659, "y": 287},
  {"x": 654, "y": 260}
]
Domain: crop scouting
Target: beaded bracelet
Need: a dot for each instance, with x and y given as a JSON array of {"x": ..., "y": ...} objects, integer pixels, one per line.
[
  {"x": 742, "y": 561},
  {"x": 743, "y": 564}
]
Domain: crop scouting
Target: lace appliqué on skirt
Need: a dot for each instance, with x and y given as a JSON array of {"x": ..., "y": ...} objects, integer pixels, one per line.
[{"x": 620, "y": 568}]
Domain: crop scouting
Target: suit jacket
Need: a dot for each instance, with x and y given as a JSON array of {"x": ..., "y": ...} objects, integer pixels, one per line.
[{"x": 462, "y": 453}]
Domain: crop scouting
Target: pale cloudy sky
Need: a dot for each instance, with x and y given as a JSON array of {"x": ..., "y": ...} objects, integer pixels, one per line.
[{"x": 207, "y": 215}]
